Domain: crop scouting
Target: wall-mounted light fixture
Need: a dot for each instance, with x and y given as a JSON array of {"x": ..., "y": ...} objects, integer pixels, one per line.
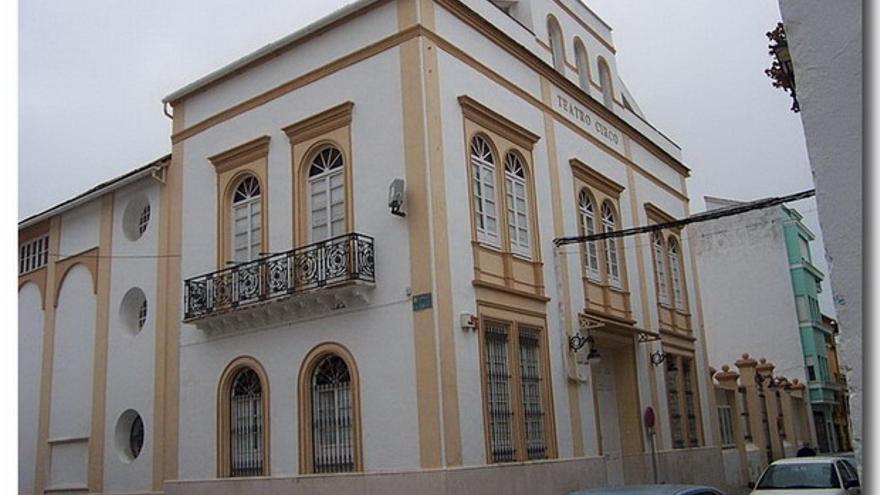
[
  {"x": 658, "y": 357},
  {"x": 396, "y": 197},
  {"x": 577, "y": 341}
]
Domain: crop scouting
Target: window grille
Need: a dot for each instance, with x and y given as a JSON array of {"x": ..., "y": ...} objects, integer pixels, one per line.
[
  {"x": 483, "y": 177},
  {"x": 689, "y": 402},
  {"x": 246, "y": 424},
  {"x": 144, "y": 220},
  {"x": 725, "y": 418},
  {"x": 780, "y": 417},
  {"x": 136, "y": 437},
  {"x": 327, "y": 194},
  {"x": 142, "y": 315},
  {"x": 609, "y": 224},
  {"x": 530, "y": 376},
  {"x": 588, "y": 227},
  {"x": 33, "y": 254},
  {"x": 517, "y": 204},
  {"x": 247, "y": 220},
  {"x": 660, "y": 267},
  {"x": 673, "y": 402},
  {"x": 332, "y": 427},
  {"x": 675, "y": 272},
  {"x": 498, "y": 390}
]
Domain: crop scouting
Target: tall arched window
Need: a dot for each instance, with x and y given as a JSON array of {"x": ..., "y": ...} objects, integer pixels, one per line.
[
  {"x": 675, "y": 272},
  {"x": 483, "y": 181},
  {"x": 583, "y": 64},
  {"x": 587, "y": 212},
  {"x": 246, "y": 424},
  {"x": 612, "y": 264},
  {"x": 517, "y": 204},
  {"x": 605, "y": 81},
  {"x": 326, "y": 194},
  {"x": 660, "y": 267},
  {"x": 557, "y": 46},
  {"x": 246, "y": 220},
  {"x": 332, "y": 424}
]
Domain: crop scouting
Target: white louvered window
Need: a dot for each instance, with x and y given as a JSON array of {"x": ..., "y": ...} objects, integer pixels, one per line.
[
  {"x": 675, "y": 272},
  {"x": 485, "y": 197},
  {"x": 246, "y": 220},
  {"x": 246, "y": 425},
  {"x": 612, "y": 262},
  {"x": 587, "y": 213},
  {"x": 530, "y": 377},
  {"x": 517, "y": 204},
  {"x": 660, "y": 268},
  {"x": 33, "y": 254},
  {"x": 332, "y": 426},
  {"x": 498, "y": 393},
  {"x": 327, "y": 195}
]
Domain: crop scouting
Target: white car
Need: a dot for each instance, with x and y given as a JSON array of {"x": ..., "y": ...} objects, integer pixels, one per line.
[{"x": 809, "y": 476}]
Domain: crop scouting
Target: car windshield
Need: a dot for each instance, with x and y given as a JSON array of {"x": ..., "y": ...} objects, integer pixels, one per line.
[{"x": 805, "y": 476}]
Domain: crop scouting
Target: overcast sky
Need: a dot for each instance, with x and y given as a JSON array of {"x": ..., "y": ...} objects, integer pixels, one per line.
[{"x": 93, "y": 72}]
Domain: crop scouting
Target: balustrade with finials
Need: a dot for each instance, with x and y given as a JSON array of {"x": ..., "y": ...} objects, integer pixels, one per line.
[{"x": 337, "y": 261}]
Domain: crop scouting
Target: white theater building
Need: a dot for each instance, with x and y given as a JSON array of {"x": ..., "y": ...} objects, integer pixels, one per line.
[{"x": 250, "y": 315}]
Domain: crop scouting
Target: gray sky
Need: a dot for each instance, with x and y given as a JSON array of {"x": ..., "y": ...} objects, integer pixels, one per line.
[{"x": 92, "y": 74}]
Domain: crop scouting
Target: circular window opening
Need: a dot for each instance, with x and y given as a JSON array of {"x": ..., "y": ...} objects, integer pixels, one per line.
[
  {"x": 136, "y": 218},
  {"x": 129, "y": 436},
  {"x": 134, "y": 311}
]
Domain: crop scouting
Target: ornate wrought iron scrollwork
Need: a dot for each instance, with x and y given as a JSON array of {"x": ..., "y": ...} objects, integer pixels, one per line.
[{"x": 336, "y": 261}]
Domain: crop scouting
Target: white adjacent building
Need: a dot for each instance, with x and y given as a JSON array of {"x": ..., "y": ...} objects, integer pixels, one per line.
[{"x": 250, "y": 315}]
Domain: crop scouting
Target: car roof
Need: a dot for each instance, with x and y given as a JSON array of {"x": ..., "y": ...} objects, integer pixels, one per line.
[
  {"x": 808, "y": 460},
  {"x": 643, "y": 489}
]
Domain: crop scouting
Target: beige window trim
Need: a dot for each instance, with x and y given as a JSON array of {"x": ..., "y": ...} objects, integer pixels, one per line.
[
  {"x": 516, "y": 320},
  {"x": 224, "y": 392},
  {"x": 504, "y": 137},
  {"x": 232, "y": 166},
  {"x": 331, "y": 127},
  {"x": 304, "y": 396},
  {"x": 656, "y": 216}
]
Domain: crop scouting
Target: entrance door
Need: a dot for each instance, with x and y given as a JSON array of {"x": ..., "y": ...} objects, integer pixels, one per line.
[
  {"x": 606, "y": 396},
  {"x": 821, "y": 430}
]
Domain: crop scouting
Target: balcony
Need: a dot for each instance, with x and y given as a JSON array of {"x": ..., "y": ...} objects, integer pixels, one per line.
[{"x": 306, "y": 281}]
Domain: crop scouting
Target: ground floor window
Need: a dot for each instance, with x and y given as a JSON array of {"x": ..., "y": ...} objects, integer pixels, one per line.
[{"x": 683, "y": 401}]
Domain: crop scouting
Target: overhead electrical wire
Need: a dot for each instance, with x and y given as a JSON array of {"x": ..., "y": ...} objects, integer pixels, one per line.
[{"x": 699, "y": 217}]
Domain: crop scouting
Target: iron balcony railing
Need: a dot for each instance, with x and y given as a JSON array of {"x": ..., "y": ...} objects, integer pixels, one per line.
[{"x": 340, "y": 260}]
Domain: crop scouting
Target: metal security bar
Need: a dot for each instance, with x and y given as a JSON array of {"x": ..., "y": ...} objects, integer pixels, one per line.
[
  {"x": 530, "y": 375},
  {"x": 690, "y": 408},
  {"x": 336, "y": 261},
  {"x": 498, "y": 389},
  {"x": 672, "y": 399},
  {"x": 246, "y": 425},
  {"x": 332, "y": 430}
]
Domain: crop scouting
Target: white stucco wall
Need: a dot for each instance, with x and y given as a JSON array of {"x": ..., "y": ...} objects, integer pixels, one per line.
[
  {"x": 131, "y": 356},
  {"x": 30, "y": 358},
  {"x": 79, "y": 228},
  {"x": 825, "y": 39},
  {"x": 735, "y": 256}
]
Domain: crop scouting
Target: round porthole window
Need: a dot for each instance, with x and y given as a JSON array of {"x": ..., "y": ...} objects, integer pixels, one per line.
[
  {"x": 136, "y": 218},
  {"x": 134, "y": 311},
  {"x": 128, "y": 438}
]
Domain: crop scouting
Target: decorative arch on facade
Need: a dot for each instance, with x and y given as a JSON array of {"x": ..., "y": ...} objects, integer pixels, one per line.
[
  {"x": 582, "y": 62},
  {"x": 88, "y": 259},
  {"x": 244, "y": 200},
  {"x": 324, "y": 175},
  {"x": 329, "y": 386},
  {"x": 243, "y": 441},
  {"x": 606, "y": 82},
  {"x": 557, "y": 43}
]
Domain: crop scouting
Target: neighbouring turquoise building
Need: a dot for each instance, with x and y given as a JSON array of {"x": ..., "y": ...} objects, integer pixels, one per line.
[{"x": 817, "y": 336}]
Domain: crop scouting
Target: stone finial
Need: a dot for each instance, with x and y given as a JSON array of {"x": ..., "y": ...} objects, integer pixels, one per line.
[
  {"x": 762, "y": 360},
  {"x": 746, "y": 356},
  {"x": 712, "y": 370},
  {"x": 725, "y": 368},
  {"x": 795, "y": 381}
]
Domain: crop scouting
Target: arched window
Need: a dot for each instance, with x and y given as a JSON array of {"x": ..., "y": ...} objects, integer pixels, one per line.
[
  {"x": 326, "y": 194},
  {"x": 331, "y": 411},
  {"x": 246, "y": 220},
  {"x": 675, "y": 272},
  {"x": 587, "y": 212},
  {"x": 605, "y": 81},
  {"x": 485, "y": 201},
  {"x": 517, "y": 204},
  {"x": 583, "y": 64},
  {"x": 612, "y": 264},
  {"x": 246, "y": 424},
  {"x": 660, "y": 267},
  {"x": 557, "y": 46}
]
